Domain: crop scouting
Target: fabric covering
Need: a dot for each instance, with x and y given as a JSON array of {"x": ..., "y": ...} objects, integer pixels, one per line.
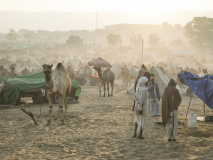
[
  {"x": 201, "y": 86},
  {"x": 14, "y": 85},
  {"x": 99, "y": 62}
]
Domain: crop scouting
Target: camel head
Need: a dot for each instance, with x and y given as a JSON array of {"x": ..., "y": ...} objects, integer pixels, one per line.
[
  {"x": 205, "y": 71},
  {"x": 12, "y": 67},
  {"x": 1, "y": 68},
  {"x": 47, "y": 69},
  {"x": 99, "y": 71}
]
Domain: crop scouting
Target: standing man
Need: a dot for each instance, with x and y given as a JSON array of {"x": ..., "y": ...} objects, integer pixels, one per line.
[
  {"x": 154, "y": 96},
  {"x": 140, "y": 107},
  {"x": 141, "y": 73},
  {"x": 170, "y": 102}
]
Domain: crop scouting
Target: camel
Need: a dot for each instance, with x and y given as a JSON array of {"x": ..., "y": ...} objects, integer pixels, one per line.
[
  {"x": 3, "y": 72},
  {"x": 11, "y": 73},
  {"x": 108, "y": 77},
  {"x": 125, "y": 75},
  {"x": 57, "y": 84},
  {"x": 25, "y": 71},
  {"x": 71, "y": 72}
]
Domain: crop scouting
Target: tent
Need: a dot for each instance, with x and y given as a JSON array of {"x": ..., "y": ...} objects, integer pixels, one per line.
[
  {"x": 162, "y": 78},
  {"x": 201, "y": 86}
]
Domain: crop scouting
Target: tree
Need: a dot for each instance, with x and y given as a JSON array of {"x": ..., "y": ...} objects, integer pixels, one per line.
[
  {"x": 74, "y": 41},
  {"x": 113, "y": 38},
  {"x": 200, "y": 32},
  {"x": 136, "y": 40},
  {"x": 154, "y": 39},
  {"x": 11, "y": 36},
  {"x": 29, "y": 35}
]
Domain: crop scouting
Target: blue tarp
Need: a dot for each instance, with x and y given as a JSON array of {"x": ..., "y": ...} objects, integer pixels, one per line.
[{"x": 201, "y": 86}]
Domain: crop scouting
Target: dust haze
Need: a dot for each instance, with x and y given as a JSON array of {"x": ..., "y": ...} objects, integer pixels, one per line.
[{"x": 167, "y": 42}]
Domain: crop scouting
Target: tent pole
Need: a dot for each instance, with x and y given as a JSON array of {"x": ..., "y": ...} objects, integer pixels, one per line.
[
  {"x": 204, "y": 109},
  {"x": 188, "y": 107}
]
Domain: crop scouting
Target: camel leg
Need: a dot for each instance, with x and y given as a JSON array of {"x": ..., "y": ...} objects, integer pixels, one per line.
[
  {"x": 50, "y": 98},
  {"x": 66, "y": 106},
  {"x": 104, "y": 89},
  {"x": 136, "y": 127},
  {"x": 61, "y": 101},
  {"x": 108, "y": 88},
  {"x": 112, "y": 86}
]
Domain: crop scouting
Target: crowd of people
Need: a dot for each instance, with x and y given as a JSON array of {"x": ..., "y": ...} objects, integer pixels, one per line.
[{"x": 147, "y": 88}]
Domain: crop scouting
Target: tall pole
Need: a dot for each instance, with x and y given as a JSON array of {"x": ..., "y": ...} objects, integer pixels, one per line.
[
  {"x": 94, "y": 41},
  {"x": 142, "y": 49},
  {"x": 96, "y": 19}
]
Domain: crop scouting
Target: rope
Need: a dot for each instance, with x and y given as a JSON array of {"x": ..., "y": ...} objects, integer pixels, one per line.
[{"x": 49, "y": 85}]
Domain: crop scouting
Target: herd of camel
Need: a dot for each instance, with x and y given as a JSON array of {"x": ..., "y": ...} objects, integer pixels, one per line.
[{"x": 58, "y": 83}]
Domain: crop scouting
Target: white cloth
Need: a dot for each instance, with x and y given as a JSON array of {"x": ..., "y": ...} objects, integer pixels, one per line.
[
  {"x": 140, "y": 120},
  {"x": 141, "y": 96},
  {"x": 141, "y": 103},
  {"x": 169, "y": 124},
  {"x": 141, "y": 83}
]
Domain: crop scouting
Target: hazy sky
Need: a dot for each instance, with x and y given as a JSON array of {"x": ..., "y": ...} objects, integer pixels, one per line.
[{"x": 150, "y": 6}]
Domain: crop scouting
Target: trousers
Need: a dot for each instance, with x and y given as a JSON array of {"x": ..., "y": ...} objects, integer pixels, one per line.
[
  {"x": 169, "y": 125},
  {"x": 154, "y": 107}
]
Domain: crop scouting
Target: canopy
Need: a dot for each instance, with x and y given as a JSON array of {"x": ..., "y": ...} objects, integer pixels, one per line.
[
  {"x": 14, "y": 85},
  {"x": 99, "y": 62},
  {"x": 201, "y": 86}
]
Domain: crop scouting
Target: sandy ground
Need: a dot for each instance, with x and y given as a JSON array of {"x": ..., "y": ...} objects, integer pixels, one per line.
[{"x": 100, "y": 128}]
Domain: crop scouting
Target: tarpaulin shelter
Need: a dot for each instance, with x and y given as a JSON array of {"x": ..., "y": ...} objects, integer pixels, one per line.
[
  {"x": 100, "y": 63},
  {"x": 201, "y": 86},
  {"x": 14, "y": 85}
]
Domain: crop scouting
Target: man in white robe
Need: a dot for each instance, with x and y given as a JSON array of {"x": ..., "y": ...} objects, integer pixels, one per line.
[{"x": 140, "y": 108}]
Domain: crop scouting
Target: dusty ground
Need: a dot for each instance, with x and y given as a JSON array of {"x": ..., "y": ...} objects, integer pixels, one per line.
[{"x": 100, "y": 128}]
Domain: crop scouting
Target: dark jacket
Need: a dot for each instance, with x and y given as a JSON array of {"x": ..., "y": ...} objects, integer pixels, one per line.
[
  {"x": 151, "y": 90},
  {"x": 171, "y": 101}
]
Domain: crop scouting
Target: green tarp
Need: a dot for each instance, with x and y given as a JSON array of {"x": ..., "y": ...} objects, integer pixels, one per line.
[{"x": 14, "y": 85}]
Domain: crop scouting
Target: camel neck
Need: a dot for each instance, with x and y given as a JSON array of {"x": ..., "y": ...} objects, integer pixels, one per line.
[
  {"x": 48, "y": 77},
  {"x": 100, "y": 75}
]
